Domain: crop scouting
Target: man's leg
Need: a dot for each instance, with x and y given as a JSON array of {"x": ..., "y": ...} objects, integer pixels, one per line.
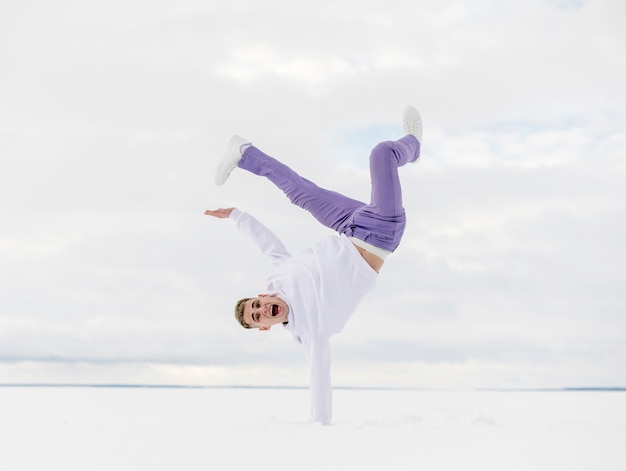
[
  {"x": 328, "y": 207},
  {"x": 385, "y": 159},
  {"x": 382, "y": 222}
]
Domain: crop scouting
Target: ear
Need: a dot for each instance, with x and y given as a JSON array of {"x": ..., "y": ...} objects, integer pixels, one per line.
[
  {"x": 263, "y": 295},
  {"x": 267, "y": 327}
]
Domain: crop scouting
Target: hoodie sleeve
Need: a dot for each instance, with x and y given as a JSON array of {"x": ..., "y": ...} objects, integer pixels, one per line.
[
  {"x": 265, "y": 239},
  {"x": 318, "y": 356}
]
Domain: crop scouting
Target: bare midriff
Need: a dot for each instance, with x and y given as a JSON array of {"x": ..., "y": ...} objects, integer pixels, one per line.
[{"x": 372, "y": 260}]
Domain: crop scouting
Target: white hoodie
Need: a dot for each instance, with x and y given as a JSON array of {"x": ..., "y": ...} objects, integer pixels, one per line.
[{"x": 322, "y": 286}]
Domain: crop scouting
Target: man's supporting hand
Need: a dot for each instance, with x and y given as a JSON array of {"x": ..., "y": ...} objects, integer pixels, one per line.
[{"x": 222, "y": 213}]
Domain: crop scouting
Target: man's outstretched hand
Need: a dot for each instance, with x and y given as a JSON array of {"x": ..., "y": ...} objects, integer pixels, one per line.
[{"x": 221, "y": 213}]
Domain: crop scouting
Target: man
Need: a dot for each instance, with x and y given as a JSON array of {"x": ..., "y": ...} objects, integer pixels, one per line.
[{"x": 313, "y": 294}]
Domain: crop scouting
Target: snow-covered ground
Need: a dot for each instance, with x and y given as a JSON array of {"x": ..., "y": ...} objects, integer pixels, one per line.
[{"x": 119, "y": 429}]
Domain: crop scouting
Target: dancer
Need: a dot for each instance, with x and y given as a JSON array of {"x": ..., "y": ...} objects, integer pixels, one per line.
[{"x": 314, "y": 293}]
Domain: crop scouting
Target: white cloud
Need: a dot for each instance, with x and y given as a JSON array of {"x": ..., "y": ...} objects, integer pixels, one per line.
[{"x": 114, "y": 115}]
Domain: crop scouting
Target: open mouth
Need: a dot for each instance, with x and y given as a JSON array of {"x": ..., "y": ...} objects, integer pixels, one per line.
[{"x": 274, "y": 310}]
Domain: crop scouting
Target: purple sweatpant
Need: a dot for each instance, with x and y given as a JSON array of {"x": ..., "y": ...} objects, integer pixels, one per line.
[{"x": 380, "y": 223}]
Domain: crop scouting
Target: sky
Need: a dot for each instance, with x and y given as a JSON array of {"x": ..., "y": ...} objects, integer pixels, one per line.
[{"x": 114, "y": 114}]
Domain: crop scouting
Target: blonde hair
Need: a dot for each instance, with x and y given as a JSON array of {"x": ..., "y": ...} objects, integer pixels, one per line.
[{"x": 239, "y": 312}]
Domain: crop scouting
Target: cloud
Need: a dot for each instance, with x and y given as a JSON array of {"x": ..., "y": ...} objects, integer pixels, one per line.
[{"x": 113, "y": 118}]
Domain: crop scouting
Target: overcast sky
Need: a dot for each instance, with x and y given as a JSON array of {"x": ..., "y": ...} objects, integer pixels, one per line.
[{"x": 114, "y": 114}]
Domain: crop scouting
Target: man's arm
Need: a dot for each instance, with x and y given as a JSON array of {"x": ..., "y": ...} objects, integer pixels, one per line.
[
  {"x": 265, "y": 239},
  {"x": 321, "y": 389},
  {"x": 222, "y": 213}
]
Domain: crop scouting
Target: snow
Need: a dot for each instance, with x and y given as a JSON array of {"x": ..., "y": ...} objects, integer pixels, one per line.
[{"x": 119, "y": 429}]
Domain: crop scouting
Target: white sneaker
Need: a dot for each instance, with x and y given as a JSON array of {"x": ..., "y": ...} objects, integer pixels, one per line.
[
  {"x": 412, "y": 122},
  {"x": 236, "y": 146}
]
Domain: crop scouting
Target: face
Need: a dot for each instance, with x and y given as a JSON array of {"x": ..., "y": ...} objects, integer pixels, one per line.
[{"x": 265, "y": 311}]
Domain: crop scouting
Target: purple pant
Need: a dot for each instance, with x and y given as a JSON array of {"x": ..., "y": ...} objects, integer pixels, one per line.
[{"x": 381, "y": 222}]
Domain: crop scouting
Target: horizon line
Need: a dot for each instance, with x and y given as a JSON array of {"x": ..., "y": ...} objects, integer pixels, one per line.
[{"x": 292, "y": 387}]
